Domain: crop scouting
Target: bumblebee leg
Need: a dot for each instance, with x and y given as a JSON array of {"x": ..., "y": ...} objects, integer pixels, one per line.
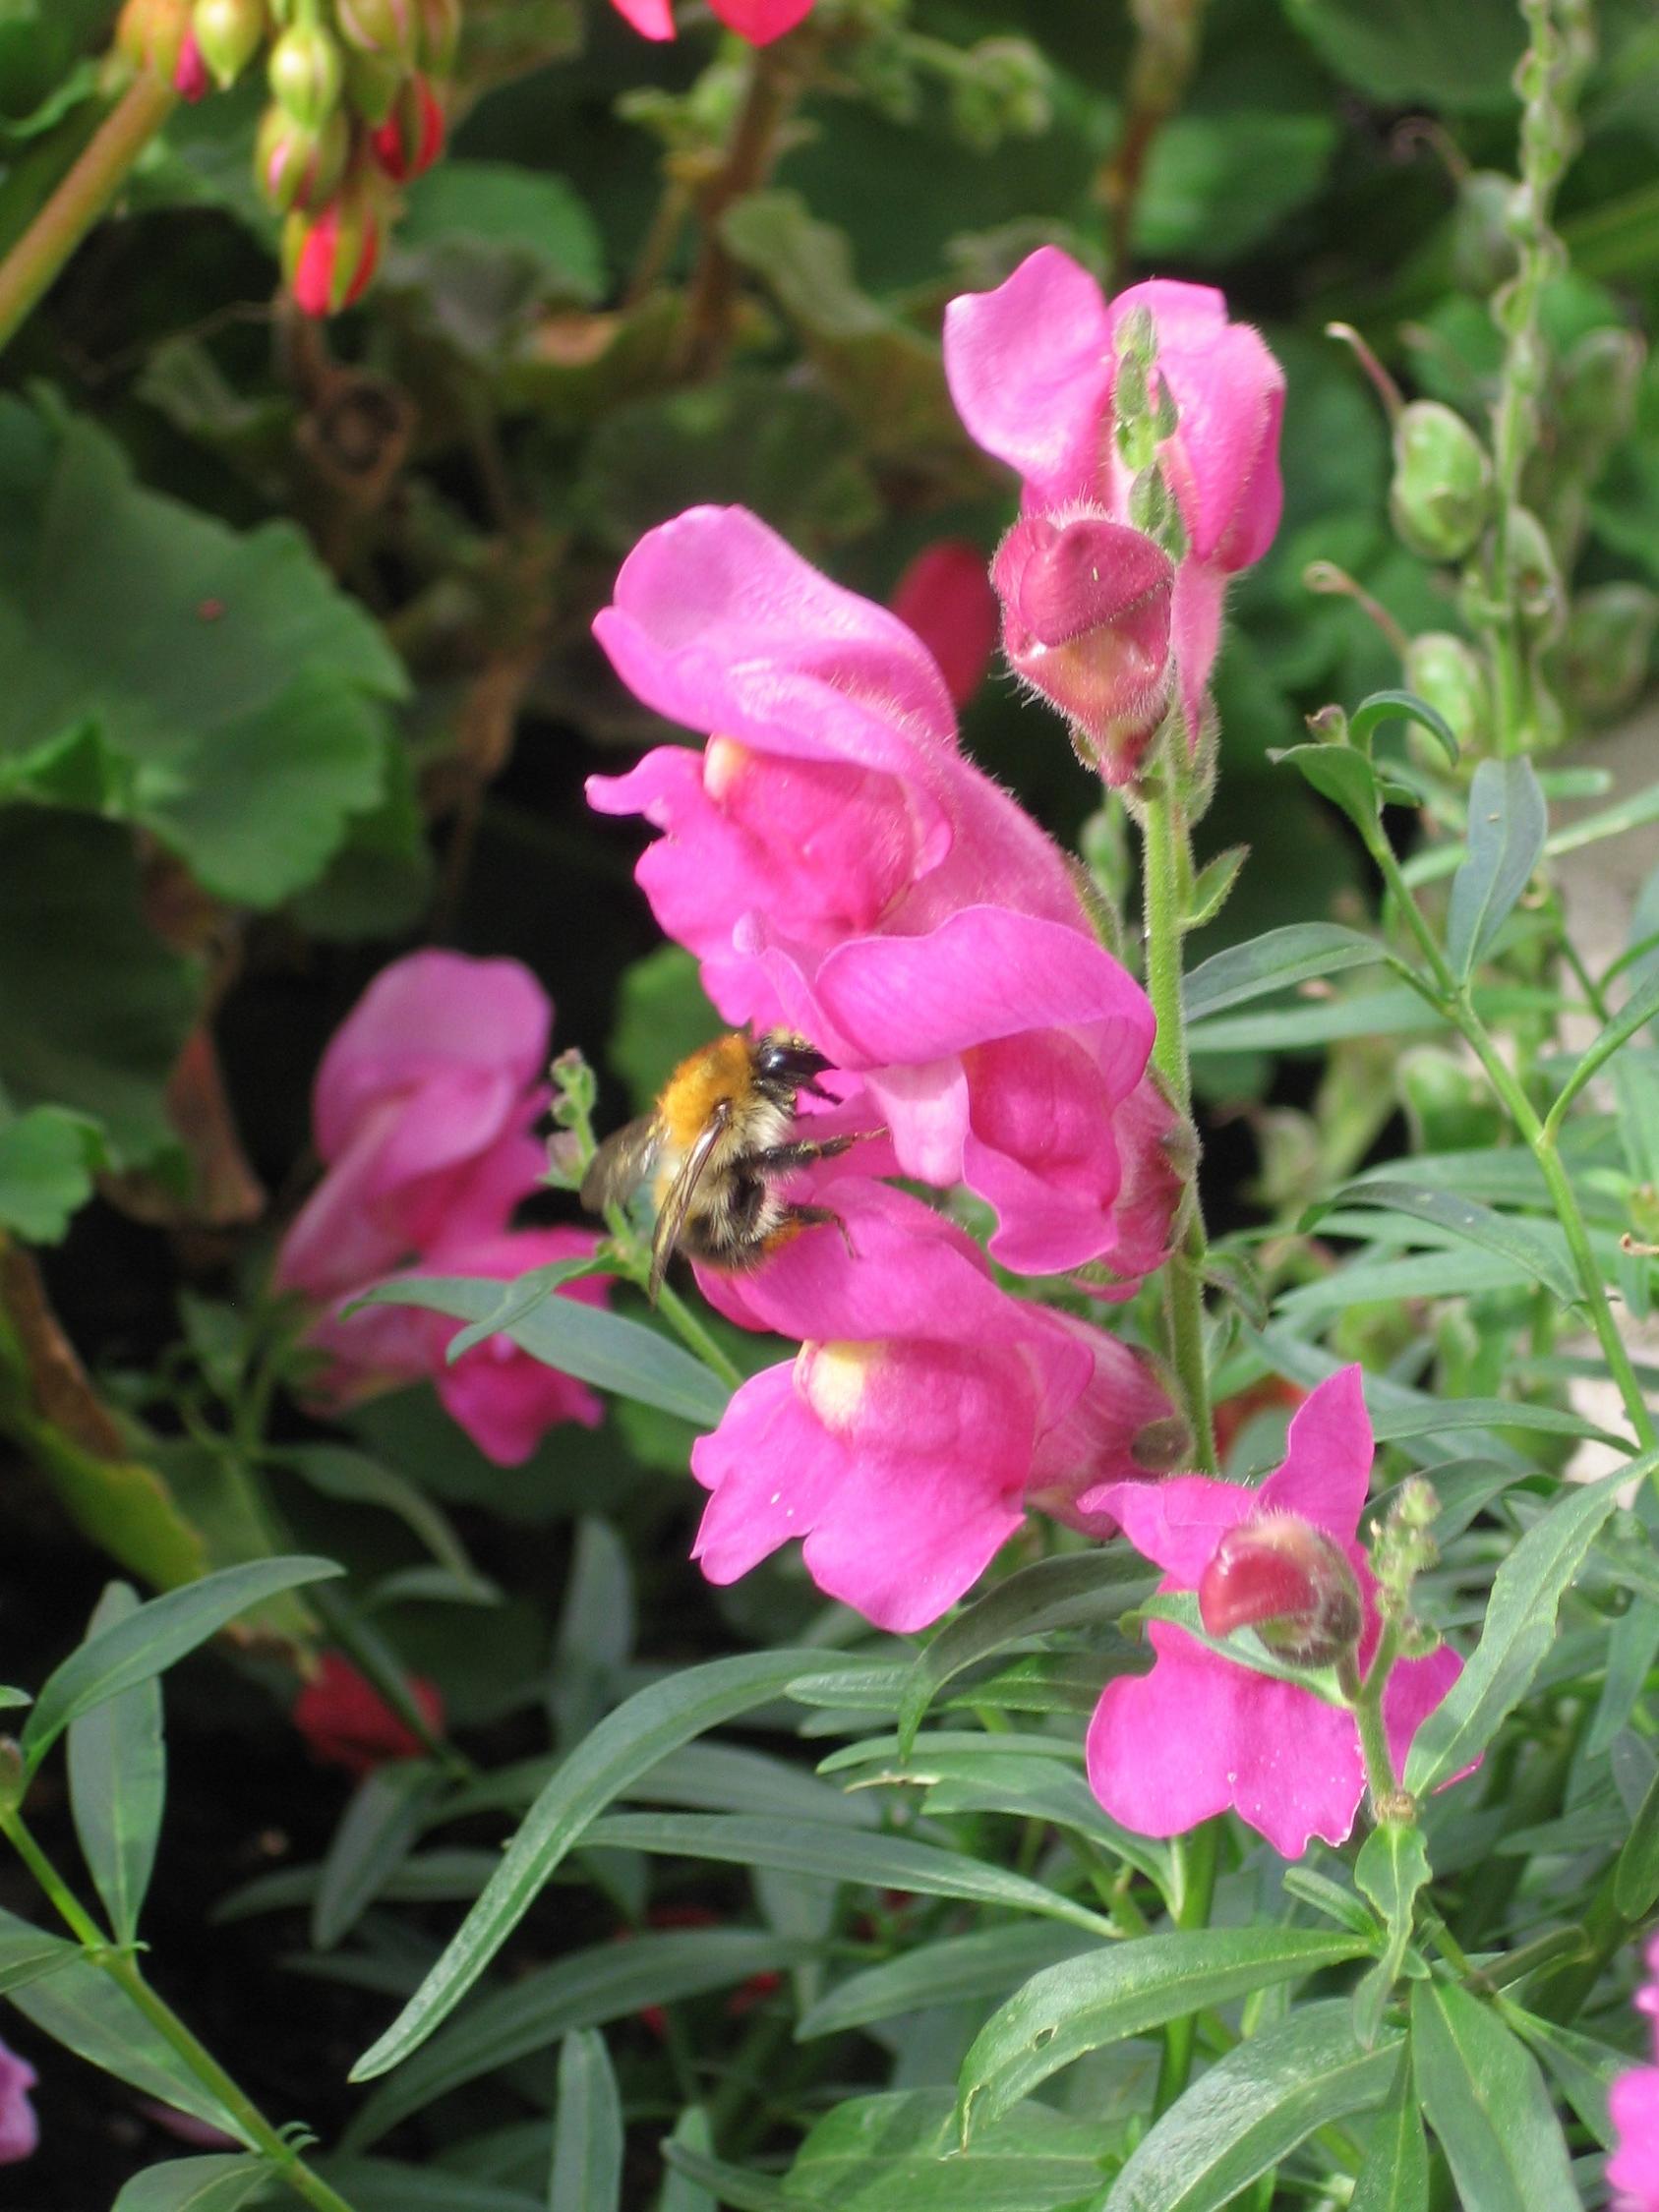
[
  {"x": 798, "y": 1218},
  {"x": 778, "y": 1159}
]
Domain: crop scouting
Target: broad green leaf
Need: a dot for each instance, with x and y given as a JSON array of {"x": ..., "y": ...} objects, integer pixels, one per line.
[
  {"x": 588, "y": 2143},
  {"x": 611, "y": 1981},
  {"x": 1107, "y": 1995},
  {"x": 1636, "y": 1875},
  {"x": 1583, "y": 2068},
  {"x": 1530, "y": 1249},
  {"x": 385, "y": 1814},
  {"x": 531, "y": 211},
  {"x": 901, "y": 2153},
  {"x": 623, "y": 1746},
  {"x": 1413, "y": 50},
  {"x": 594, "y": 1345},
  {"x": 1065, "y": 1593},
  {"x": 1343, "y": 776},
  {"x": 1394, "y": 2176},
  {"x": 47, "y": 1158},
  {"x": 1211, "y": 190},
  {"x": 1507, "y": 824},
  {"x": 196, "y": 2185},
  {"x": 118, "y": 1781},
  {"x": 1252, "y": 2109},
  {"x": 153, "y": 1637},
  {"x": 1486, "y": 2101},
  {"x": 27, "y": 1954},
  {"x": 1391, "y": 1867},
  {"x": 954, "y": 1970},
  {"x": 1275, "y": 962},
  {"x": 840, "y": 1855},
  {"x": 1519, "y": 1628}
]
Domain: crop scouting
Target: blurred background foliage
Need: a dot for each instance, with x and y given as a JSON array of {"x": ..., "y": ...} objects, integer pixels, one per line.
[{"x": 297, "y": 673}]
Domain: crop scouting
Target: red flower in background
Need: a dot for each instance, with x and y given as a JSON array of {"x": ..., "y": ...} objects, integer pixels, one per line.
[
  {"x": 346, "y": 1723},
  {"x": 758, "y": 21}
]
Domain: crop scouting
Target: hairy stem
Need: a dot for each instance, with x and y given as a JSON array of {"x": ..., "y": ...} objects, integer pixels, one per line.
[
  {"x": 108, "y": 1958},
  {"x": 34, "y": 262}
]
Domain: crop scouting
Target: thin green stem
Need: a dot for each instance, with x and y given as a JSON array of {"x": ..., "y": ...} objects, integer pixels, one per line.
[
  {"x": 695, "y": 1337},
  {"x": 34, "y": 262},
  {"x": 1388, "y": 1801},
  {"x": 121, "y": 1968},
  {"x": 1196, "y": 1857}
]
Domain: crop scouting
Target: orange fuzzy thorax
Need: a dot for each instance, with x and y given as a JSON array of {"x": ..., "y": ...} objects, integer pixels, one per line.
[{"x": 713, "y": 1072}]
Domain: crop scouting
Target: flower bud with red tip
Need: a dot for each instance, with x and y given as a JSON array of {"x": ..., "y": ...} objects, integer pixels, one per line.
[
  {"x": 150, "y": 34},
  {"x": 386, "y": 30},
  {"x": 438, "y": 34},
  {"x": 330, "y": 258},
  {"x": 307, "y": 74},
  {"x": 227, "y": 36},
  {"x": 295, "y": 167},
  {"x": 410, "y": 140},
  {"x": 1287, "y": 1580},
  {"x": 191, "y": 80},
  {"x": 1086, "y": 608}
]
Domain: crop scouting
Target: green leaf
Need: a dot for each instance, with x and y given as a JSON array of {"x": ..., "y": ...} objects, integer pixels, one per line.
[
  {"x": 386, "y": 1812},
  {"x": 954, "y": 1970},
  {"x": 47, "y": 1158},
  {"x": 1391, "y": 1867},
  {"x": 611, "y": 1981},
  {"x": 723, "y": 2184},
  {"x": 93, "y": 1009},
  {"x": 1252, "y": 2109},
  {"x": 1394, "y": 2176},
  {"x": 679, "y": 2191},
  {"x": 1275, "y": 962},
  {"x": 587, "y": 2152},
  {"x": 1400, "y": 706},
  {"x": 1486, "y": 2101},
  {"x": 1527, "y": 1247},
  {"x": 900, "y": 2153},
  {"x": 1212, "y": 886},
  {"x": 196, "y": 2185},
  {"x": 1413, "y": 50},
  {"x": 1066, "y": 1593},
  {"x": 384, "y": 2184},
  {"x": 1344, "y": 776},
  {"x": 118, "y": 1781},
  {"x": 1636, "y": 1875},
  {"x": 1101, "y": 1998},
  {"x": 153, "y": 1637},
  {"x": 840, "y": 1855},
  {"x": 1215, "y": 187},
  {"x": 335, "y": 1471},
  {"x": 1520, "y": 1627},
  {"x": 625, "y": 1745},
  {"x": 27, "y": 1954},
  {"x": 1584, "y": 2069},
  {"x": 537, "y": 215},
  {"x": 586, "y": 1341},
  {"x": 1507, "y": 824},
  {"x": 1639, "y": 1010}
]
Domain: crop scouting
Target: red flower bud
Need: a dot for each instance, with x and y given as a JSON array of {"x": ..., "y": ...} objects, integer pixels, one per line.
[
  {"x": 330, "y": 258},
  {"x": 307, "y": 74},
  {"x": 296, "y": 167},
  {"x": 346, "y": 1723},
  {"x": 411, "y": 138},
  {"x": 228, "y": 33},
  {"x": 946, "y": 598},
  {"x": 1086, "y": 622},
  {"x": 1288, "y": 1581},
  {"x": 191, "y": 81},
  {"x": 150, "y": 34}
]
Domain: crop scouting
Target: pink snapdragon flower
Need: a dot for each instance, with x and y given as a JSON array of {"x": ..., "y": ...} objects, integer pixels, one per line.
[
  {"x": 945, "y": 597},
  {"x": 758, "y": 21},
  {"x": 1202, "y": 1733},
  {"x": 1032, "y": 367},
  {"x": 19, "y": 2130},
  {"x": 838, "y": 867},
  {"x": 1633, "y": 2170},
  {"x": 925, "y": 1413}
]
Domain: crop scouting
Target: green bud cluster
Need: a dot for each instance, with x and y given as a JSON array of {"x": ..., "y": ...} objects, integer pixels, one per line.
[{"x": 1400, "y": 1551}]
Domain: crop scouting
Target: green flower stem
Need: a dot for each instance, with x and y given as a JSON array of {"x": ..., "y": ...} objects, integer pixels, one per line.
[
  {"x": 1166, "y": 871},
  {"x": 122, "y": 1969},
  {"x": 633, "y": 1256},
  {"x": 1194, "y": 1858},
  {"x": 34, "y": 262},
  {"x": 1388, "y": 1801}
]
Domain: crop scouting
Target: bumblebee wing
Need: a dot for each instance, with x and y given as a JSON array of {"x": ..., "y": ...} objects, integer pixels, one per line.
[
  {"x": 677, "y": 1204},
  {"x": 620, "y": 1164}
]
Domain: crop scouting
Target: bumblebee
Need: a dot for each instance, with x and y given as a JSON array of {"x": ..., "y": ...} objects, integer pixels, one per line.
[{"x": 711, "y": 1149}]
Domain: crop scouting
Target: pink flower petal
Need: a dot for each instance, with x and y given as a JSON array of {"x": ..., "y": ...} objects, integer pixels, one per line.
[
  {"x": 761, "y": 21},
  {"x": 652, "y": 19},
  {"x": 19, "y": 2130},
  {"x": 1326, "y": 1470},
  {"x": 1176, "y": 1523}
]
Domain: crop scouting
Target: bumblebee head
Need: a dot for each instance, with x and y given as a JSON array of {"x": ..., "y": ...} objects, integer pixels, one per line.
[{"x": 785, "y": 1064}]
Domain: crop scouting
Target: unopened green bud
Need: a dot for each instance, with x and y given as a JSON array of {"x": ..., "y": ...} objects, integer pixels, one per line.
[
  {"x": 1441, "y": 482},
  {"x": 307, "y": 74},
  {"x": 296, "y": 167},
  {"x": 1483, "y": 245},
  {"x": 1448, "y": 1108},
  {"x": 1596, "y": 387},
  {"x": 384, "y": 30},
  {"x": 1609, "y": 637},
  {"x": 371, "y": 87},
  {"x": 228, "y": 34},
  {"x": 438, "y": 34},
  {"x": 1534, "y": 578},
  {"x": 1449, "y": 675}
]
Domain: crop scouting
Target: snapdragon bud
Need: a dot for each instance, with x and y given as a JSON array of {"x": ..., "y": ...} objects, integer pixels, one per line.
[
  {"x": 371, "y": 87},
  {"x": 1483, "y": 245},
  {"x": 1609, "y": 637},
  {"x": 297, "y": 167},
  {"x": 150, "y": 34},
  {"x": 228, "y": 33},
  {"x": 386, "y": 29},
  {"x": 438, "y": 34},
  {"x": 191, "y": 80},
  {"x": 1441, "y": 482},
  {"x": 1086, "y": 622},
  {"x": 1287, "y": 1580},
  {"x": 410, "y": 140},
  {"x": 1596, "y": 389},
  {"x": 1534, "y": 577},
  {"x": 330, "y": 258},
  {"x": 307, "y": 74},
  {"x": 1451, "y": 676}
]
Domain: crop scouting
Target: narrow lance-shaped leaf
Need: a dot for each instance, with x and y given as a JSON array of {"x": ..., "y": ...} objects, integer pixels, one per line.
[
  {"x": 153, "y": 1637},
  {"x": 587, "y": 2141},
  {"x": 118, "y": 1781},
  {"x": 195, "y": 2184},
  {"x": 372, "y": 1839},
  {"x": 1486, "y": 2103},
  {"x": 1529, "y": 1248},
  {"x": 1275, "y": 962},
  {"x": 1508, "y": 824},
  {"x": 1394, "y": 2176},
  {"x": 1391, "y": 1867}
]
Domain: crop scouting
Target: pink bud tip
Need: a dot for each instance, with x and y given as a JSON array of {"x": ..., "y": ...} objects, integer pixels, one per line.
[
  {"x": 1282, "y": 1576},
  {"x": 191, "y": 80}
]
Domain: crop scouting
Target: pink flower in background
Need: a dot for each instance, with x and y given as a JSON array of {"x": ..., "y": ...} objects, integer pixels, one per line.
[
  {"x": 19, "y": 2130},
  {"x": 346, "y": 1723},
  {"x": 945, "y": 597},
  {"x": 840, "y": 868},
  {"x": 1032, "y": 367},
  {"x": 422, "y": 1112},
  {"x": 758, "y": 21},
  {"x": 1201, "y": 1733},
  {"x": 1632, "y": 2169},
  {"x": 925, "y": 1412}
]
